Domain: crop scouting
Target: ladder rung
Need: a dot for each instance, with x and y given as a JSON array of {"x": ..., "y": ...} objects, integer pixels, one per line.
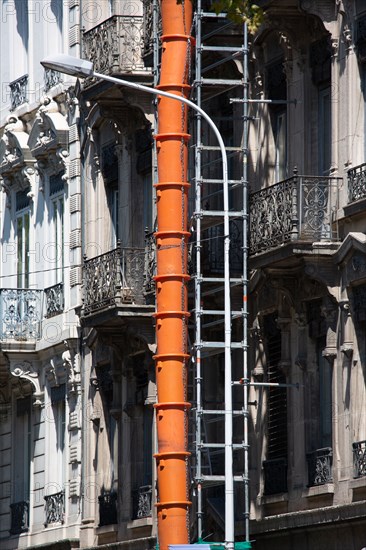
[
  {"x": 238, "y": 412},
  {"x": 219, "y": 445},
  {"x": 216, "y": 312},
  {"x": 220, "y": 213},
  {"x": 218, "y": 478},
  {"x": 219, "y": 82},
  {"x": 216, "y": 148},
  {"x": 233, "y": 281},
  {"x": 230, "y": 182},
  {"x": 234, "y": 49},
  {"x": 218, "y": 345}
]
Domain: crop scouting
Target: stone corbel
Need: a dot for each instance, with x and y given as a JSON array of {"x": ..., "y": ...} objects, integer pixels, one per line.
[
  {"x": 347, "y": 345},
  {"x": 260, "y": 355},
  {"x": 55, "y": 371},
  {"x": 71, "y": 362},
  {"x": 5, "y": 186},
  {"x": 329, "y": 311},
  {"x": 347, "y": 37},
  {"x": 27, "y": 371},
  {"x": 302, "y": 353}
]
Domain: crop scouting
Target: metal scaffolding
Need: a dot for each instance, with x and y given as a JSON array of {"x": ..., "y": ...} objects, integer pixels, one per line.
[{"x": 220, "y": 276}]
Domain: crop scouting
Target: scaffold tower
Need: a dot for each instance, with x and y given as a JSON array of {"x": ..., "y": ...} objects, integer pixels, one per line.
[{"x": 219, "y": 220}]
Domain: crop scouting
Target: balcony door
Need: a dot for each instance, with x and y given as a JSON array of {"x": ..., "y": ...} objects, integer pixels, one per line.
[
  {"x": 22, "y": 226},
  {"x": 324, "y": 131}
]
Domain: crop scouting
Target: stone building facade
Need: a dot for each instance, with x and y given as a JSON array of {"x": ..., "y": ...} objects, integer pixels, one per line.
[
  {"x": 77, "y": 383},
  {"x": 308, "y": 281}
]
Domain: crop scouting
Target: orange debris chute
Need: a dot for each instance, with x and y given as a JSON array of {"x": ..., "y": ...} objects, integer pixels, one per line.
[{"x": 172, "y": 277}]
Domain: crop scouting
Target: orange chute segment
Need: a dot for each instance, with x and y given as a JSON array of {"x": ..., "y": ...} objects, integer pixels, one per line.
[{"x": 172, "y": 277}]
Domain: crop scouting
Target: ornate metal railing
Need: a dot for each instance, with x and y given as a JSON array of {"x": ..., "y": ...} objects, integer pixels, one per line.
[
  {"x": 320, "y": 466},
  {"x": 356, "y": 183},
  {"x": 275, "y": 476},
  {"x": 51, "y": 79},
  {"x": 113, "y": 278},
  {"x": 116, "y": 45},
  {"x": 19, "y": 517},
  {"x": 301, "y": 208},
  {"x": 359, "y": 458},
  {"x": 150, "y": 263},
  {"x": 18, "y": 92},
  {"x": 148, "y": 27},
  {"x": 141, "y": 499},
  {"x": 54, "y": 508},
  {"x": 20, "y": 314},
  {"x": 107, "y": 508},
  {"x": 54, "y": 300}
]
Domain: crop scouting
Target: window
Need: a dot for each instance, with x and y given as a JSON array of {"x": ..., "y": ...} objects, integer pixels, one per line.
[
  {"x": 56, "y": 454},
  {"x": 113, "y": 205},
  {"x": 55, "y": 251},
  {"x": 325, "y": 397},
  {"x": 22, "y": 435},
  {"x": 22, "y": 236},
  {"x": 324, "y": 131},
  {"x": 280, "y": 135},
  {"x": 58, "y": 395},
  {"x": 275, "y": 466},
  {"x": 143, "y": 143},
  {"x": 110, "y": 176},
  {"x": 277, "y": 90}
]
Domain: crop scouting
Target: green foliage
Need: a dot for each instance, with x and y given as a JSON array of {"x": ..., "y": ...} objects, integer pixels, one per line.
[{"x": 241, "y": 11}]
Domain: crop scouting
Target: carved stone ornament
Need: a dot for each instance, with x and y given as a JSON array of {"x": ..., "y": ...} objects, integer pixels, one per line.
[
  {"x": 48, "y": 139},
  {"x": 16, "y": 161},
  {"x": 347, "y": 345},
  {"x": 27, "y": 371},
  {"x": 71, "y": 362},
  {"x": 55, "y": 371}
]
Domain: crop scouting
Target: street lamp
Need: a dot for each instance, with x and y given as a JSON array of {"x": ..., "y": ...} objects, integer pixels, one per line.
[{"x": 83, "y": 68}]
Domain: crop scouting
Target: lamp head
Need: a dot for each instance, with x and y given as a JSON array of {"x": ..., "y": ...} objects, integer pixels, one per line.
[{"x": 68, "y": 64}]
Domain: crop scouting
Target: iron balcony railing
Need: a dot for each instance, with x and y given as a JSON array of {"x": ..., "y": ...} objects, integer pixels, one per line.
[
  {"x": 275, "y": 476},
  {"x": 19, "y": 517},
  {"x": 359, "y": 458},
  {"x": 54, "y": 300},
  {"x": 320, "y": 466},
  {"x": 141, "y": 502},
  {"x": 356, "y": 183},
  {"x": 54, "y": 508},
  {"x": 121, "y": 276},
  {"x": 23, "y": 309},
  {"x": 20, "y": 314},
  {"x": 116, "y": 45},
  {"x": 18, "y": 92},
  {"x": 107, "y": 508},
  {"x": 300, "y": 208}
]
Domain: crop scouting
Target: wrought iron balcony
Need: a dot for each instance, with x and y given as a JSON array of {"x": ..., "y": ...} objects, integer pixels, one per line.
[
  {"x": 275, "y": 476},
  {"x": 107, "y": 508},
  {"x": 20, "y": 314},
  {"x": 54, "y": 300},
  {"x": 116, "y": 45},
  {"x": 19, "y": 517},
  {"x": 51, "y": 79},
  {"x": 54, "y": 508},
  {"x": 357, "y": 183},
  {"x": 300, "y": 208},
  {"x": 18, "y": 92},
  {"x": 115, "y": 278},
  {"x": 320, "y": 466},
  {"x": 359, "y": 458},
  {"x": 141, "y": 500}
]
